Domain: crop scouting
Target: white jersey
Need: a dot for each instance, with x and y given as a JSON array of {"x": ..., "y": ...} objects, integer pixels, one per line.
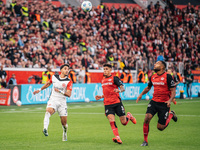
[{"x": 62, "y": 84}]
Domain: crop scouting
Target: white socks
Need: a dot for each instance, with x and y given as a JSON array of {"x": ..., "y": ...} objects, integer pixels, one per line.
[
  {"x": 46, "y": 120},
  {"x": 65, "y": 127}
]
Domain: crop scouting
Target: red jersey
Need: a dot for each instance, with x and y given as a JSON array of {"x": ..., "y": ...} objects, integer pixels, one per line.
[
  {"x": 108, "y": 85},
  {"x": 162, "y": 84}
]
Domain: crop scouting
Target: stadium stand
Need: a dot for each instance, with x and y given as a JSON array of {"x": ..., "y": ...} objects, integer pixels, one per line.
[{"x": 48, "y": 36}]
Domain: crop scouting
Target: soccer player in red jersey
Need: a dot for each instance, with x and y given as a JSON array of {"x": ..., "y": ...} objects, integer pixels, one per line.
[
  {"x": 164, "y": 92},
  {"x": 112, "y": 101}
]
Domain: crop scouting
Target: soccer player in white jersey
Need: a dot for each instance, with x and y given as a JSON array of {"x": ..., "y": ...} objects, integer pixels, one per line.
[{"x": 62, "y": 87}]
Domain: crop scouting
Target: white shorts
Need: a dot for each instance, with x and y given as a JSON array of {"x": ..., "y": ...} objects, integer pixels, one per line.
[{"x": 58, "y": 105}]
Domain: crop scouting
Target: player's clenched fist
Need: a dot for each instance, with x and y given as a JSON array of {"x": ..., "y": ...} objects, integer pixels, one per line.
[
  {"x": 57, "y": 90},
  {"x": 98, "y": 97},
  {"x": 35, "y": 92}
]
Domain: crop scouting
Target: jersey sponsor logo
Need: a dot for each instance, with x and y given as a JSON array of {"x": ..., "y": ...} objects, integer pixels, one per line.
[
  {"x": 108, "y": 83},
  {"x": 109, "y": 79},
  {"x": 59, "y": 88},
  {"x": 162, "y": 78},
  {"x": 158, "y": 83}
]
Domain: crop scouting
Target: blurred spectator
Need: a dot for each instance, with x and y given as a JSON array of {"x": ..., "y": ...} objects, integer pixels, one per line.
[
  {"x": 123, "y": 77},
  {"x": 3, "y": 85},
  {"x": 146, "y": 78},
  {"x": 72, "y": 74},
  {"x": 80, "y": 79},
  {"x": 160, "y": 56},
  {"x": 87, "y": 78},
  {"x": 85, "y": 63},
  {"x": 141, "y": 77},
  {"x": 12, "y": 80},
  {"x": 3, "y": 75},
  {"x": 129, "y": 77},
  {"x": 46, "y": 75},
  {"x": 178, "y": 75},
  {"x": 189, "y": 79},
  {"x": 37, "y": 34}
]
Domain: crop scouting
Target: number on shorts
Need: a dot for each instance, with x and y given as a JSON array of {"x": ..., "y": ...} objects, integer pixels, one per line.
[
  {"x": 123, "y": 109},
  {"x": 166, "y": 115}
]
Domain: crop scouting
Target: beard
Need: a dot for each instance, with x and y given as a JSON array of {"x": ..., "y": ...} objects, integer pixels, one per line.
[{"x": 156, "y": 70}]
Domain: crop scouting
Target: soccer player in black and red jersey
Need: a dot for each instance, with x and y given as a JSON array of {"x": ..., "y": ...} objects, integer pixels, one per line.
[
  {"x": 112, "y": 101},
  {"x": 164, "y": 92}
]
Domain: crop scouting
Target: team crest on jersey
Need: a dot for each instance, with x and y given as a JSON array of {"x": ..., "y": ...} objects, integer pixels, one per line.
[
  {"x": 162, "y": 78},
  {"x": 63, "y": 85}
]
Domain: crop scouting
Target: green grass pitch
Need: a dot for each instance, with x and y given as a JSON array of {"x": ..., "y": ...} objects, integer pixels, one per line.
[{"x": 89, "y": 129}]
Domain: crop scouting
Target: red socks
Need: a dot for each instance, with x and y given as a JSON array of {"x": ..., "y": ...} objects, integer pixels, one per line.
[
  {"x": 145, "y": 131},
  {"x": 168, "y": 119},
  {"x": 114, "y": 129}
]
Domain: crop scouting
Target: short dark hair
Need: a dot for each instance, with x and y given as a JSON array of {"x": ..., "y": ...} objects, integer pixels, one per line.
[
  {"x": 164, "y": 63},
  {"x": 107, "y": 65},
  {"x": 64, "y": 66}
]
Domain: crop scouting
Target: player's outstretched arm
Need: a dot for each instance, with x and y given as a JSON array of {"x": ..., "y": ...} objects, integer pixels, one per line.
[
  {"x": 46, "y": 85},
  {"x": 98, "y": 97},
  {"x": 146, "y": 90}
]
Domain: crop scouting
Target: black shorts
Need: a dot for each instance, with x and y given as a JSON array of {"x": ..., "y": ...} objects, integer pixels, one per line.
[
  {"x": 161, "y": 109},
  {"x": 117, "y": 108}
]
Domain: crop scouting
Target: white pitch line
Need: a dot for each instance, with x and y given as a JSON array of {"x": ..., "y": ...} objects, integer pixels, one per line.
[
  {"x": 85, "y": 113},
  {"x": 87, "y": 106}
]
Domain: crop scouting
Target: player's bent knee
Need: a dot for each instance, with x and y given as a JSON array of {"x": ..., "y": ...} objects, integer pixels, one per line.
[
  {"x": 160, "y": 127},
  {"x": 50, "y": 110},
  {"x": 147, "y": 119},
  {"x": 123, "y": 123}
]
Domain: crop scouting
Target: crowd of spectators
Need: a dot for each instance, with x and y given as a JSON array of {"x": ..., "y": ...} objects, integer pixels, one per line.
[{"x": 49, "y": 36}]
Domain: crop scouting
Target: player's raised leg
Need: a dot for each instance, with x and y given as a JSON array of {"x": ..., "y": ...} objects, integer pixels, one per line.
[
  {"x": 163, "y": 123},
  {"x": 49, "y": 111},
  {"x": 64, "y": 126},
  {"x": 114, "y": 128},
  {"x": 125, "y": 119}
]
